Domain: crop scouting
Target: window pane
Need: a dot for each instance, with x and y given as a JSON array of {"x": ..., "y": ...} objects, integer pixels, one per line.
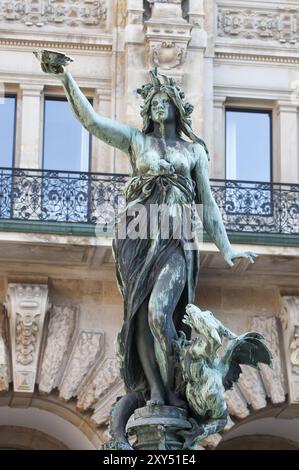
[
  {"x": 248, "y": 146},
  {"x": 7, "y": 130},
  {"x": 66, "y": 142}
]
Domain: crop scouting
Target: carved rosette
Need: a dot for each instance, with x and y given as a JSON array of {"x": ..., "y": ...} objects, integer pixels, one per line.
[
  {"x": 26, "y": 306},
  {"x": 290, "y": 325}
]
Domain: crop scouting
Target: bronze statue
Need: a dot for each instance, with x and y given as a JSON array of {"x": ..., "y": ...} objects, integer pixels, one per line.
[{"x": 157, "y": 277}]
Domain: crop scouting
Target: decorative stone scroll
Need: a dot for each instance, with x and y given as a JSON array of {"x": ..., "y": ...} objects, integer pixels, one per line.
[
  {"x": 99, "y": 384},
  {"x": 85, "y": 353},
  {"x": 60, "y": 331},
  {"x": 273, "y": 379}
]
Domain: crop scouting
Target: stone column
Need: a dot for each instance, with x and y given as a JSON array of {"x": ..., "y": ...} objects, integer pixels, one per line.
[
  {"x": 26, "y": 306},
  {"x": 31, "y": 126},
  {"x": 286, "y": 164}
]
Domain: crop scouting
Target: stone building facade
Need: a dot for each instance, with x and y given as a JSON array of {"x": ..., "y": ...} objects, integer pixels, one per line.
[{"x": 60, "y": 309}]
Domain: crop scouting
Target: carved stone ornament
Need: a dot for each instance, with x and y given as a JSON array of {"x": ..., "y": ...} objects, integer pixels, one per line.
[
  {"x": 294, "y": 350},
  {"x": 61, "y": 327},
  {"x": 237, "y": 405},
  {"x": 290, "y": 309},
  {"x": 167, "y": 54},
  {"x": 272, "y": 24},
  {"x": 26, "y": 306},
  {"x": 85, "y": 353},
  {"x": 273, "y": 378},
  {"x": 4, "y": 357},
  {"x": 61, "y": 13},
  {"x": 167, "y": 35},
  {"x": 99, "y": 384}
]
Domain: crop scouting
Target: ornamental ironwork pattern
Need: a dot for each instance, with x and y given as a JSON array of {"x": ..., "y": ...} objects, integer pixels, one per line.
[{"x": 96, "y": 198}]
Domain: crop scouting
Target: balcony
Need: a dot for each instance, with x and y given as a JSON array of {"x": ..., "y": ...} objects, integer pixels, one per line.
[{"x": 71, "y": 199}]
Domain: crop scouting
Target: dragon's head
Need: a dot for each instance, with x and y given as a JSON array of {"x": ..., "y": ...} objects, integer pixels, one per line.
[{"x": 202, "y": 322}]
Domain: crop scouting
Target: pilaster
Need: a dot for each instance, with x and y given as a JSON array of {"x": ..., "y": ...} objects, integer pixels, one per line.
[
  {"x": 286, "y": 166},
  {"x": 31, "y": 125}
]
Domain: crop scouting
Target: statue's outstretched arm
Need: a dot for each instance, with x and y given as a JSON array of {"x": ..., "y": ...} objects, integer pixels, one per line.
[
  {"x": 212, "y": 219},
  {"x": 110, "y": 131}
]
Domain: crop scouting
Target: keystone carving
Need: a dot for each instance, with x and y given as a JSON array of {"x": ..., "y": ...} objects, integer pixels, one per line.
[{"x": 26, "y": 307}]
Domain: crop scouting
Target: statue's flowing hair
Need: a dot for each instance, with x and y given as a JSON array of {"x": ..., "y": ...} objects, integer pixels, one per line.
[{"x": 162, "y": 84}]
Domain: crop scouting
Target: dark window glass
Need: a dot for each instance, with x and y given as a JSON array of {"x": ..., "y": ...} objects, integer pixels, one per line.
[
  {"x": 66, "y": 142},
  {"x": 248, "y": 158},
  {"x": 66, "y": 196},
  {"x": 248, "y": 145},
  {"x": 7, "y": 130}
]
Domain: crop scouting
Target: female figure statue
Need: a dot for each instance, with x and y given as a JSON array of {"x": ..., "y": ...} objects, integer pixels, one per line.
[{"x": 157, "y": 277}]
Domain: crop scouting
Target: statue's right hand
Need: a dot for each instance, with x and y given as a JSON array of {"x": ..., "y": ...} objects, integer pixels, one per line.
[{"x": 52, "y": 62}]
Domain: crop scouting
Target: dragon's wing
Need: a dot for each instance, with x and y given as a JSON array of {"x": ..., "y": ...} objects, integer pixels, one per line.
[{"x": 247, "y": 349}]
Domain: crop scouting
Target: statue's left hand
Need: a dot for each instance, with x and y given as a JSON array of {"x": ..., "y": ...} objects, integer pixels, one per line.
[
  {"x": 250, "y": 255},
  {"x": 52, "y": 62}
]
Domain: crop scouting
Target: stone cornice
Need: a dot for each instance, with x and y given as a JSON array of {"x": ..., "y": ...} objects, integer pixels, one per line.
[{"x": 31, "y": 43}]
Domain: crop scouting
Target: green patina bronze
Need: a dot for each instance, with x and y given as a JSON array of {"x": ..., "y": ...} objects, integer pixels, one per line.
[{"x": 161, "y": 367}]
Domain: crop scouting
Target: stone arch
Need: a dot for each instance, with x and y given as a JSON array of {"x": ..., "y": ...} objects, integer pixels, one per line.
[
  {"x": 263, "y": 432},
  {"x": 24, "y": 438},
  {"x": 51, "y": 423},
  {"x": 258, "y": 442}
]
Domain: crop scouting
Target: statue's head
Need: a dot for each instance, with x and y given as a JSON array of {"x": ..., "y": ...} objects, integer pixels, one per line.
[{"x": 165, "y": 101}]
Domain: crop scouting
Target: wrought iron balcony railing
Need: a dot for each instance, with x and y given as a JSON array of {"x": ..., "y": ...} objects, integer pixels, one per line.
[{"x": 91, "y": 198}]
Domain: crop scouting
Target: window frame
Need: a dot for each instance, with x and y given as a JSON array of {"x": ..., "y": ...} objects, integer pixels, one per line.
[
  {"x": 52, "y": 97},
  {"x": 244, "y": 109},
  {"x": 14, "y": 144}
]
